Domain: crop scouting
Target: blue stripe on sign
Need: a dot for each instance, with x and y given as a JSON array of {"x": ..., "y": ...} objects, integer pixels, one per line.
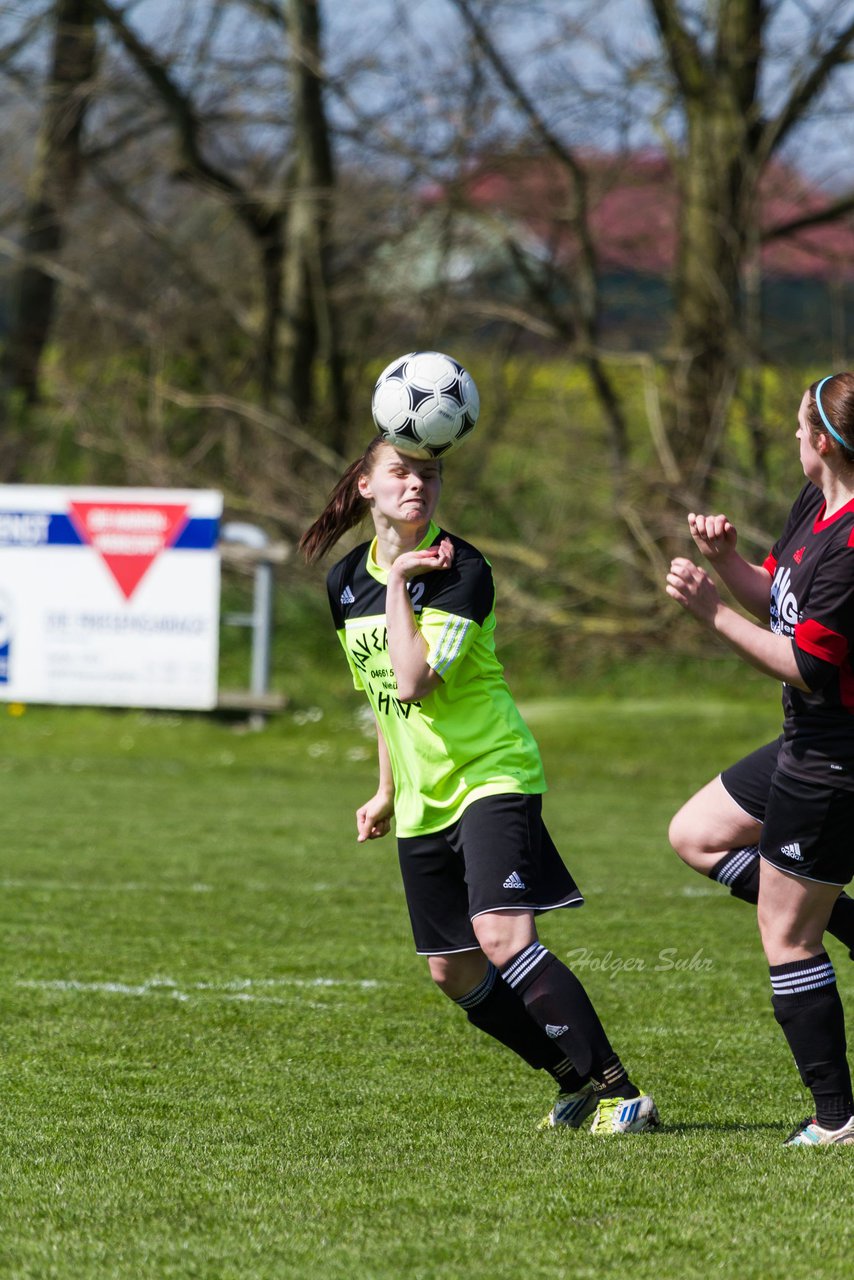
[
  {"x": 46, "y": 529},
  {"x": 36, "y": 529},
  {"x": 63, "y": 533},
  {"x": 198, "y": 534}
]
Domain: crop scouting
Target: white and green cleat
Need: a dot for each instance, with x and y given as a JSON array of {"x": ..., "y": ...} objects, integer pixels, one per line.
[
  {"x": 811, "y": 1134},
  {"x": 625, "y": 1115},
  {"x": 570, "y": 1109}
]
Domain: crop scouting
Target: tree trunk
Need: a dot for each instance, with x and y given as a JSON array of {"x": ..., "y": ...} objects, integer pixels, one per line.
[
  {"x": 718, "y": 172},
  {"x": 262, "y": 218},
  {"x": 309, "y": 328},
  {"x": 708, "y": 328},
  {"x": 54, "y": 180}
]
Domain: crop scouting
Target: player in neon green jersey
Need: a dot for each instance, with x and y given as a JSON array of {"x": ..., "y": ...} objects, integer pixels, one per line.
[{"x": 460, "y": 772}]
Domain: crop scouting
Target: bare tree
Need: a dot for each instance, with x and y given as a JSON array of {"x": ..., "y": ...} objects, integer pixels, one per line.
[
  {"x": 262, "y": 215},
  {"x": 583, "y": 329},
  {"x": 53, "y": 186},
  {"x": 715, "y": 54},
  {"x": 289, "y": 221},
  {"x": 697, "y": 78},
  {"x": 234, "y": 123},
  {"x": 310, "y": 324}
]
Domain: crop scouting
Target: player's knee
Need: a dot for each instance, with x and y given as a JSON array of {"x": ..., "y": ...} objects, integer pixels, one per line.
[
  {"x": 440, "y": 970},
  {"x": 456, "y": 975},
  {"x": 785, "y": 936},
  {"x": 779, "y": 943},
  {"x": 503, "y": 934},
  {"x": 680, "y": 833}
]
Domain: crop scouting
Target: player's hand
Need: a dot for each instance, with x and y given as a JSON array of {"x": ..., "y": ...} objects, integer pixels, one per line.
[
  {"x": 689, "y": 585},
  {"x": 373, "y": 820},
  {"x": 715, "y": 537},
  {"x": 410, "y": 564}
]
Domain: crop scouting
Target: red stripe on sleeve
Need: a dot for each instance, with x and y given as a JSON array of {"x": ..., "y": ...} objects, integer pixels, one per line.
[
  {"x": 770, "y": 564},
  {"x": 821, "y": 642},
  {"x": 846, "y": 687}
]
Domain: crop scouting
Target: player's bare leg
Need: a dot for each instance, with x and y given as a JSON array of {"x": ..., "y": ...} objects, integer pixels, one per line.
[
  {"x": 474, "y": 983},
  {"x": 715, "y": 836},
  {"x": 709, "y": 825},
  {"x": 556, "y": 1000},
  {"x": 793, "y": 914}
]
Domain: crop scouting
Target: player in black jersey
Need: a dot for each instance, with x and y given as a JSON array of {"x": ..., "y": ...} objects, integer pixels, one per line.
[
  {"x": 461, "y": 773},
  {"x": 776, "y": 827}
]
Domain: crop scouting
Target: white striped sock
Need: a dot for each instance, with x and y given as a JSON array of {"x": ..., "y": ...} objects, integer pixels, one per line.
[
  {"x": 479, "y": 993},
  {"x": 524, "y": 963},
  {"x": 803, "y": 975},
  {"x": 738, "y": 861}
]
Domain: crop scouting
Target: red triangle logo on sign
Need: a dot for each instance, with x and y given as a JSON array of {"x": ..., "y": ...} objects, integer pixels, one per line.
[{"x": 128, "y": 536}]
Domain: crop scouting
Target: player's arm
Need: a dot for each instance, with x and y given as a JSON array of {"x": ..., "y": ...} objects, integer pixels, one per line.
[
  {"x": 694, "y": 590},
  {"x": 374, "y": 817},
  {"x": 824, "y": 633},
  {"x": 407, "y": 647},
  {"x": 716, "y": 539}
]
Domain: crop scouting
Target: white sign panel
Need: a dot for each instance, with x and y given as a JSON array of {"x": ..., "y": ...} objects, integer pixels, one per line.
[{"x": 109, "y": 597}]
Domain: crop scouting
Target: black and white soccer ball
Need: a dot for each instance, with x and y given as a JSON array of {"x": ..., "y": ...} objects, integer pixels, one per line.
[{"x": 425, "y": 403}]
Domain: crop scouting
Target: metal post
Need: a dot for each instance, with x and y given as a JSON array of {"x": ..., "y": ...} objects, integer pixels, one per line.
[
  {"x": 261, "y": 618},
  {"x": 262, "y": 627}
]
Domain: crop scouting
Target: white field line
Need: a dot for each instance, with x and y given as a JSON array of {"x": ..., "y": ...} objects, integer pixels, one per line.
[
  {"x": 628, "y": 891},
  {"x": 139, "y": 886},
  {"x": 128, "y": 886},
  {"x": 244, "y": 989}
]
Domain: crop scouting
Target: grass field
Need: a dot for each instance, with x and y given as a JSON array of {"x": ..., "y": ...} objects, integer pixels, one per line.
[{"x": 221, "y": 1059}]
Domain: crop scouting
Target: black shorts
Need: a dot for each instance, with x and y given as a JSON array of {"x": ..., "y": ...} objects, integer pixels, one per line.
[
  {"x": 806, "y": 825},
  {"x": 808, "y": 830},
  {"x": 497, "y": 857},
  {"x": 749, "y": 780}
]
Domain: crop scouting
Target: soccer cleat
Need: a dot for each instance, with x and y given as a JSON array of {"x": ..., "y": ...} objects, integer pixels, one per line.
[
  {"x": 570, "y": 1109},
  {"x": 810, "y": 1134},
  {"x": 625, "y": 1115}
]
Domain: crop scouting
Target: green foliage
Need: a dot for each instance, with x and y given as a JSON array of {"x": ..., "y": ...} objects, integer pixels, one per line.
[
  {"x": 538, "y": 488},
  {"x": 579, "y": 601},
  {"x": 221, "y": 1059}
]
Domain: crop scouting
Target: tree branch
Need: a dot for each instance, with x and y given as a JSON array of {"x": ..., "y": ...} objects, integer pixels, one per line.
[
  {"x": 258, "y": 216},
  {"x": 830, "y": 213},
  {"x": 680, "y": 48},
  {"x": 805, "y": 91}
]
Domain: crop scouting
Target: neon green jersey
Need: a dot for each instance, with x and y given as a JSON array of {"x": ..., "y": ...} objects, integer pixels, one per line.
[{"x": 466, "y": 739}]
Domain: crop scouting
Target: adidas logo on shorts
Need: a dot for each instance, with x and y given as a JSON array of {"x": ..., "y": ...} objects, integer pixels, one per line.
[
  {"x": 792, "y": 851},
  {"x": 514, "y": 881}
]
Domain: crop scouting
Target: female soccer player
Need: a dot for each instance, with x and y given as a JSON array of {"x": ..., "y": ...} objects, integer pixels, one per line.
[
  {"x": 780, "y": 821},
  {"x": 461, "y": 773}
]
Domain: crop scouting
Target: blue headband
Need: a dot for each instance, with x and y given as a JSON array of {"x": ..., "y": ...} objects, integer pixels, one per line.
[{"x": 824, "y": 416}]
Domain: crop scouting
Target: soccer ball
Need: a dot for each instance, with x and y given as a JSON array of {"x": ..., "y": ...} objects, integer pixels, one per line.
[{"x": 425, "y": 403}]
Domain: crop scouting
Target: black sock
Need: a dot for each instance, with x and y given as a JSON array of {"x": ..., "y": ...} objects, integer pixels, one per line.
[
  {"x": 841, "y": 922},
  {"x": 558, "y": 1003},
  {"x": 739, "y": 871},
  {"x": 565, "y": 1074},
  {"x": 808, "y": 1008},
  {"x": 494, "y": 1008}
]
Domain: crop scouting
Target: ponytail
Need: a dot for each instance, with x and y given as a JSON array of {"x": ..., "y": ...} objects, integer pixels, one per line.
[{"x": 344, "y": 508}]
